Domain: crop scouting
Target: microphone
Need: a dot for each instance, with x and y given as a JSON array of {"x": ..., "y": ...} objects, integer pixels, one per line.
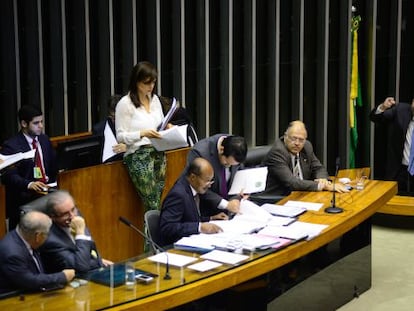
[
  {"x": 154, "y": 245},
  {"x": 333, "y": 209}
]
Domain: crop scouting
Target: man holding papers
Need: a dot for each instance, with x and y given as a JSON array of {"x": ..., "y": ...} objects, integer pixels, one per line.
[
  {"x": 29, "y": 178},
  {"x": 180, "y": 213},
  {"x": 292, "y": 164},
  {"x": 225, "y": 153}
]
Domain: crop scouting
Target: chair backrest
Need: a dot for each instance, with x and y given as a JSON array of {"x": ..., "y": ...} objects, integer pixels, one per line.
[
  {"x": 38, "y": 204},
  {"x": 151, "y": 219},
  {"x": 256, "y": 155}
]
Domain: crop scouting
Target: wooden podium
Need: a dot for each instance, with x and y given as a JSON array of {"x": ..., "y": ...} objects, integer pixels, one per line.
[{"x": 105, "y": 192}]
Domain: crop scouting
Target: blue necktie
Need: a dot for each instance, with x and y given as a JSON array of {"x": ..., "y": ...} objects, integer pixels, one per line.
[{"x": 411, "y": 160}]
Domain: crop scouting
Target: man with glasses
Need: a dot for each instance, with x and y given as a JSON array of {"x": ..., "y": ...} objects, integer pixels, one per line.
[
  {"x": 20, "y": 266},
  {"x": 292, "y": 165},
  {"x": 181, "y": 210},
  {"x": 225, "y": 153},
  {"x": 69, "y": 244}
]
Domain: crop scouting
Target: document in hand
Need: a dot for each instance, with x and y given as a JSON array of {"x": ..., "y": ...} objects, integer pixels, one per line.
[
  {"x": 14, "y": 158},
  {"x": 173, "y": 138},
  {"x": 169, "y": 115},
  {"x": 250, "y": 180}
]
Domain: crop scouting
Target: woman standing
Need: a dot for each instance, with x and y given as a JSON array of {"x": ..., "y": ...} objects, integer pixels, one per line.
[{"x": 137, "y": 117}]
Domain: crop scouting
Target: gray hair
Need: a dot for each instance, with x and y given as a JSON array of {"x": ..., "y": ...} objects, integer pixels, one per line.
[
  {"x": 34, "y": 221},
  {"x": 55, "y": 198}
]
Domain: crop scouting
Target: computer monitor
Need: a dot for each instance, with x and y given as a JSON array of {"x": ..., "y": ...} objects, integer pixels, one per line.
[{"x": 79, "y": 153}]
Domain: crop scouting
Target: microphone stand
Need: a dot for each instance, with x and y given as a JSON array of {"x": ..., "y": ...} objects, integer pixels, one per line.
[
  {"x": 167, "y": 275},
  {"x": 333, "y": 209}
]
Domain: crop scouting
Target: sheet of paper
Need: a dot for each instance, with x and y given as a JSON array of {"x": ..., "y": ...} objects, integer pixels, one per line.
[
  {"x": 204, "y": 265},
  {"x": 109, "y": 142},
  {"x": 308, "y": 205},
  {"x": 169, "y": 115},
  {"x": 284, "y": 210},
  {"x": 173, "y": 138},
  {"x": 224, "y": 257},
  {"x": 295, "y": 231},
  {"x": 176, "y": 260},
  {"x": 250, "y": 180},
  {"x": 14, "y": 158}
]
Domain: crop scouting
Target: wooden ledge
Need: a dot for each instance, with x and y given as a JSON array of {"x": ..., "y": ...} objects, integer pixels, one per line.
[{"x": 399, "y": 205}]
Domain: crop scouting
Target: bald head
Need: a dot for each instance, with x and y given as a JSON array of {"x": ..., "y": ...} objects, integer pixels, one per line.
[
  {"x": 34, "y": 226},
  {"x": 295, "y": 136},
  {"x": 200, "y": 175}
]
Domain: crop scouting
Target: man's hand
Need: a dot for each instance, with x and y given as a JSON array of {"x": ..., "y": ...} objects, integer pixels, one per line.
[
  {"x": 234, "y": 206},
  {"x": 388, "y": 103},
  {"x": 38, "y": 186},
  {"x": 338, "y": 188},
  {"x": 69, "y": 274},
  {"x": 78, "y": 225},
  {"x": 206, "y": 227},
  {"x": 219, "y": 216},
  {"x": 106, "y": 262}
]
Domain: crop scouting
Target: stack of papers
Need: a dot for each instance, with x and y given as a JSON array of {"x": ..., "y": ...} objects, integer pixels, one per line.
[
  {"x": 297, "y": 231},
  {"x": 173, "y": 138},
  {"x": 225, "y": 257},
  {"x": 284, "y": 210},
  {"x": 310, "y": 206}
]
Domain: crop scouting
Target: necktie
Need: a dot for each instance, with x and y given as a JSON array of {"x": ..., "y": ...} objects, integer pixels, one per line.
[
  {"x": 411, "y": 160},
  {"x": 296, "y": 167},
  {"x": 223, "y": 187},
  {"x": 39, "y": 171},
  {"x": 197, "y": 202},
  {"x": 36, "y": 259}
]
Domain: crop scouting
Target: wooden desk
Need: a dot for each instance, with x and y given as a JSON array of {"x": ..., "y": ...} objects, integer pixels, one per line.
[
  {"x": 358, "y": 207},
  {"x": 104, "y": 193}
]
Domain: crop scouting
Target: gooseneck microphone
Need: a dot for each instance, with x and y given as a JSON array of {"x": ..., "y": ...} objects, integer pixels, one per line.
[
  {"x": 154, "y": 245},
  {"x": 333, "y": 209}
]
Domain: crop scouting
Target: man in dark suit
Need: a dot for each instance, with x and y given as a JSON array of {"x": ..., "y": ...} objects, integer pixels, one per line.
[
  {"x": 180, "y": 213},
  {"x": 292, "y": 164},
  {"x": 69, "y": 244},
  {"x": 20, "y": 266},
  {"x": 225, "y": 153},
  {"x": 399, "y": 118},
  {"x": 26, "y": 180}
]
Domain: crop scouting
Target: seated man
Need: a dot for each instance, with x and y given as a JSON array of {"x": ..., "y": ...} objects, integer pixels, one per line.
[
  {"x": 225, "y": 153},
  {"x": 180, "y": 213},
  {"x": 292, "y": 165},
  {"x": 25, "y": 180},
  {"x": 20, "y": 265},
  {"x": 69, "y": 244}
]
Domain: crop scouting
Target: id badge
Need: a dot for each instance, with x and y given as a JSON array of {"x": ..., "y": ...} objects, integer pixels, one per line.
[{"x": 37, "y": 173}]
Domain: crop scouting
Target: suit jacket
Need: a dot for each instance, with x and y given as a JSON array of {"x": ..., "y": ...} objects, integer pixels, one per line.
[
  {"x": 16, "y": 178},
  {"x": 18, "y": 271},
  {"x": 280, "y": 178},
  {"x": 207, "y": 149},
  {"x": 179, "y": 216},
  {"x": 60, "y": 252},
  {"x": 397, "y": 118}
]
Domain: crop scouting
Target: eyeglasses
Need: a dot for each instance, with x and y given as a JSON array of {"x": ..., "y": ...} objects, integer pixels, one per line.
[
  {"x": 295, "y": 139},
  {"x": 207, "y": 182},
  {"x": 67, "y": 214}
]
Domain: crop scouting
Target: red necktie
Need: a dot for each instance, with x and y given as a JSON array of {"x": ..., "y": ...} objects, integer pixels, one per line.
[{"x": 41, "y": 176}]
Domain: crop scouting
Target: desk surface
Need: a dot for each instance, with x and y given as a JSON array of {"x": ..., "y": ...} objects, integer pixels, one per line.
[{"x": 162, "y": 294}]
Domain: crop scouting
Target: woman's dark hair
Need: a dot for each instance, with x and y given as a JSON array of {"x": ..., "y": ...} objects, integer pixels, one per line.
[
  {"x": 236, "y": 147},
  {"x": 142, "y": 72}
]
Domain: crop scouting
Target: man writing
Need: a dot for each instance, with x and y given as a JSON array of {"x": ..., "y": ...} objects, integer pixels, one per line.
[{"x": 181, "y": 210}]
